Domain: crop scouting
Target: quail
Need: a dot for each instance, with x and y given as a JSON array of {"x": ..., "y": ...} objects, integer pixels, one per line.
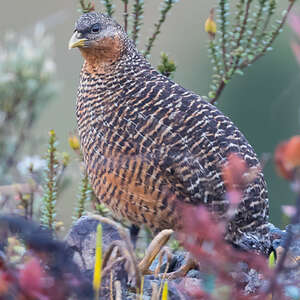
[{"x": 148, "y": 143}]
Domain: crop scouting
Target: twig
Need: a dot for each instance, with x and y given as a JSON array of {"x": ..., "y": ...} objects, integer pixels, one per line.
[
  {"x": 237, "y": 59},
  {"x": 155, "y": 293},
  {"x": 110, "y": 267},
  {"x": 218, "y": 92},
  {"x": 125, "y": 15},
  {"x": 31, "y": 197},
  {"x": 168, "y": 4},
  {"x": 111, "y": 291},
  {"x": 118, "y": 290},
  {"x": 109, "y": 7},
  {"x": 256, "y": 23},
  {"x": 274, "y": 35},
  {"x": 83, "y": 196},
  {"x": 163, "y": 278},
  {"x": 11, "y": 160},
  {"x": 50, "y": 190},
  {"x": 267, "y": 22},
  {"x": 137, "y": 14},
  {"x": 14, "y": 188},
  {"x": 155, "y": 246},
  {"x": 241, "y": 35},
  {"x": 86, "y": 8},
  {"x": 223, "y": 30},
  {"x": 126, "y": 240}
]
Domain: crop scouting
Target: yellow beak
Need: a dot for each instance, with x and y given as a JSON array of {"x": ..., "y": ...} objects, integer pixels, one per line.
[{"x": 75, "y": 41}]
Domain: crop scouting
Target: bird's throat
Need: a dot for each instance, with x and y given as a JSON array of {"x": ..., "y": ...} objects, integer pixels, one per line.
[{"x": 102, "y": 55}]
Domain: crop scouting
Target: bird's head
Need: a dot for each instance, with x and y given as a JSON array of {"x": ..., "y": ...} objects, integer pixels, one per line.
[{"x": 100, "y": 39}]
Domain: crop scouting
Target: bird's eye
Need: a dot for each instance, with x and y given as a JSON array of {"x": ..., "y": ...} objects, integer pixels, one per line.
[{"x": 95, "y": 28}]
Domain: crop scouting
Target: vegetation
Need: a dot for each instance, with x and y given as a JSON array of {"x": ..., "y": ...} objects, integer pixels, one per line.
[{"x": 31, "y": 255}]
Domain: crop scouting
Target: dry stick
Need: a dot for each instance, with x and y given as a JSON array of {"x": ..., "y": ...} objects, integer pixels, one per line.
[
  {"x": 11, "y": 114},
  {"x": 111, "y": 266},
  {"x": 124, "y": 252},
  {"x": 164, "y": 252},
  {"x": 22, "y": 187},
  {"x": 155, "y": 293},
  {"x": 111, "y": 291},
  {"x": 155, "y": 246},
  {"x": 31, "y": 199},
  {"x": 163, "y": 278},
  {"x": 118, "y": 290},
  {"x": 11, "y": 160}
]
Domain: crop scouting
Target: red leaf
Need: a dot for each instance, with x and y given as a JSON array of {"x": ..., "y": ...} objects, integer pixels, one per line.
[
  {"x": 294, "y": 22},
  {"x": 4, "y": 283},
  {"x": 287, "y": 157},
  {"x": 233, "y": 172},
  {"x": 31, "y": 277}
]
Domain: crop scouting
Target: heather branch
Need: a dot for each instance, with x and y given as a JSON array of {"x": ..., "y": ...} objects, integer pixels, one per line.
[
  {"x": 213, "y": 53},
  {"x": 125, "y": 15},
  {"x": 240, "y": 4},
  {"x": 271, "y": 11},
  {"x": 138, "y": 10},
  {"x": 242, "y": 53},
  {"x": 275, "y": 33},
  {"x": 258, "y": 20},
  {"x": 86, "y": 6},
  {"x": 50, "y": 190},
  {"x": 244, "y": 25},
  {"x": 109, "y": 7},
  {"x": 84, "y": 196},
  {"x": 224, "y": 9},
  {"x": 167, "y": 66},
  {"x": 166, "y": 6}
]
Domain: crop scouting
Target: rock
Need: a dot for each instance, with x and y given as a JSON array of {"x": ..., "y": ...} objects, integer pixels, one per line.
[
  {"x": 194, "y": 274},
  {"x": 82, "y": 240},
  {"x": 174, "y": 293},
  {"x": 254, "y": 281},
  {"x": 177, "y": 261}
]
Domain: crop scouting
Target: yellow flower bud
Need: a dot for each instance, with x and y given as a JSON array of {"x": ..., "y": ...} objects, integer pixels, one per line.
[
  {"x": 210, "y": 25},
  {"x": 74, "y": 142},
  {"x": 52, "y": 133}
]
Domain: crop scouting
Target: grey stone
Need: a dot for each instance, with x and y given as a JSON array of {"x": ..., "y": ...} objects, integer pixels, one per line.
[
  {"x": 82, "y": 240},
  {"x": 194, "y": 274}
]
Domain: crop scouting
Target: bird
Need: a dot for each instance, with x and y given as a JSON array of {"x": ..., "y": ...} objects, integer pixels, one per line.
[{"x": 148, "y": 143}]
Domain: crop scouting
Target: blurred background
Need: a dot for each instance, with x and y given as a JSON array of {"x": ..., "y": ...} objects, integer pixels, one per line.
[{"x": 264, "y": 103}]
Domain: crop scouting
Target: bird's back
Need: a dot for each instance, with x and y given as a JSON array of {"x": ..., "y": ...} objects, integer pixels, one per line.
[{"x": 148, "y": 142}]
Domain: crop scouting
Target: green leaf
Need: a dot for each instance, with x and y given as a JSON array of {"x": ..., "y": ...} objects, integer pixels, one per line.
[{"x": 272, "y": 260}]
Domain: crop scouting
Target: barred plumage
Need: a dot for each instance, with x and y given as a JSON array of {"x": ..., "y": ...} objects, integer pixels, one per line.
[{"x": 147, "y": 142}]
